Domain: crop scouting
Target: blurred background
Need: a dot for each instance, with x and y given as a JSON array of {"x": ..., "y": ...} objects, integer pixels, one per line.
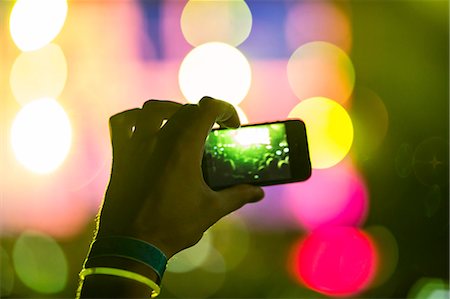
[{"x": 369, "y": 78}]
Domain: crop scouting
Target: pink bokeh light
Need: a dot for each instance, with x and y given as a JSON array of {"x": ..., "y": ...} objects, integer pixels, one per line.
[
  {"x": 310, "y": 21},
  {"x": 335, "y": 261},
  {"x": 331, "y": 197}
]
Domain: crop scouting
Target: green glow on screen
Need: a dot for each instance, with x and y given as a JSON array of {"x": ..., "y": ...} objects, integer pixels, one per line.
[
  {"x": 40, "y": 263},
  {"x": 248, "y": 154}
]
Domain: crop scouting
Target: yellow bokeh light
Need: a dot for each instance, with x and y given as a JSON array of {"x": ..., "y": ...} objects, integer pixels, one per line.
[
  {"x": 193, "y": 257},
  {"x": 41, "y": 135},
  {"x": 321, "y": 69},
  {"x": 38, "y": 74},
  {"x": 225, "y": 21},
  {"x": 329, "y": 129},
  {"x": 34, "y": 24},
  {"x": 217, "y": 70}
]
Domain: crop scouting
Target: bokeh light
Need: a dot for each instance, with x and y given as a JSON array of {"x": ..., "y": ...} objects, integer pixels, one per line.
[
  {"x": 370, "y": 122},
  {"x": 330, "y": 197},
  {"x": 191, "y": 258},
  {"x": 242, "y": 116},
  {"x": 34, "y": 24},
  {"x": 336, "y": 261},
  {"x": 270, "y": 96},
  {"x": 430, "y": 288},
  {"x": 430, "y": 161},
  {"x": 310, "y": 21},
  {"x": 272, "y": 213},
  {"x": 38, "y": 74},
  {"x": 217, "y": 70},
  {"x": 215, "y": 262},
  {"x": 6, "y": 274},
  {"x": 329, "y": 129},
  {"x": 226, "y": 232},
  {"x": 45, "y": 203},
  {"x": 321, "y": 69},
  {"x": 388, "y": 253},
  {"x": 223, "y": 21},
  {"x": 41, "y": 135},
  {"x": 40, "y": 263}
]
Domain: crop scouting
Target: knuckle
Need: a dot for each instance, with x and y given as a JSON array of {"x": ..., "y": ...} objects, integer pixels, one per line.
[{"x": 151, "y": 104}]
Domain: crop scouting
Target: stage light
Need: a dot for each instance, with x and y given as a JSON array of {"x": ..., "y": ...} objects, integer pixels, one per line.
[
  {"x": 217, "y": 70},
  {"x": 329, "y": 129},
  {"x": 320, "y": 69},
  {"x": 223, "y": 21},
  {"x": 38, "y": 74},
  {"x": 40, "y": 263},
  {"x": 41, "y": 135},
  {"x": 34, "y": 24},
  {"x": 335, "y": 261}
]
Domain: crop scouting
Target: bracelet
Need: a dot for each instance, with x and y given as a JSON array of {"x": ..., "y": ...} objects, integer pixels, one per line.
[
  {"x": 130, "y": 248},
  {"x": 125, "y": 274}
]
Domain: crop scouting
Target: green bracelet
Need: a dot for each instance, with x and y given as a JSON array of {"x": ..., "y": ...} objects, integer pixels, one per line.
[
  {"x": 130, "y": 248},
  {"x": 122, "y": 273}
]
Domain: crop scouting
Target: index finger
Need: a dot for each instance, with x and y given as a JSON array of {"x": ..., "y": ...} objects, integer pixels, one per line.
[
  {"x": 192, "y": 124},
  {"x": 218, "y": 111}
]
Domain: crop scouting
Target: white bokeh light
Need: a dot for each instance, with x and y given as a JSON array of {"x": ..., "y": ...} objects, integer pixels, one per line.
[
  {"x": 41, "y": 135},
  {"x": 217, "y": 70},
  {"x": 40, "y": 73},
  {"x": 222, "y": 21},
  {"x": 34, "y": 24}
]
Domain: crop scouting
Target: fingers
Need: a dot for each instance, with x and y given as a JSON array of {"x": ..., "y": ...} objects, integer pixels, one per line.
[
  {"x": 149, "y": 121},
  {"x": 191, "y": 124},
  {"x": 121, "y": 128},
  {"x": 220, "y": 112},
  {"x": 233, "y": 198}
]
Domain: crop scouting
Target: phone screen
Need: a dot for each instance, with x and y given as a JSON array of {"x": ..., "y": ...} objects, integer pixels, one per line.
[{"x": 250, "y": 154}]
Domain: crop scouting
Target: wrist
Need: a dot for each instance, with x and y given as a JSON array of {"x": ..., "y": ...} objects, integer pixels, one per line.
[
  {"x": 127, "y": 253},
  {"x": 148, "y": 237}
]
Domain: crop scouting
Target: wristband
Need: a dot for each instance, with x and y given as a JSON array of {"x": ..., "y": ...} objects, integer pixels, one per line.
[
  {"x": 130, "y": 248},
  {"x": 125, "y": 274}
]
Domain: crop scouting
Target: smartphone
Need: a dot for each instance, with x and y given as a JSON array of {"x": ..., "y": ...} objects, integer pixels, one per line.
[{"x": 259, "y": 154}]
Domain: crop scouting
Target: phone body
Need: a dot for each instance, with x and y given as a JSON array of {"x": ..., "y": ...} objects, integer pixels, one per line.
[{"x": 259, "y": 154}]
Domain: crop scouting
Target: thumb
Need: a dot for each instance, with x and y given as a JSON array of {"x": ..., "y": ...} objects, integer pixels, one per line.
[{"x": 235, "y": 197}]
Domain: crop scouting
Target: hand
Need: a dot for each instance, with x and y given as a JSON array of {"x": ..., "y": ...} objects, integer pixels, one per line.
[{"x": 156, "y": 191}]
